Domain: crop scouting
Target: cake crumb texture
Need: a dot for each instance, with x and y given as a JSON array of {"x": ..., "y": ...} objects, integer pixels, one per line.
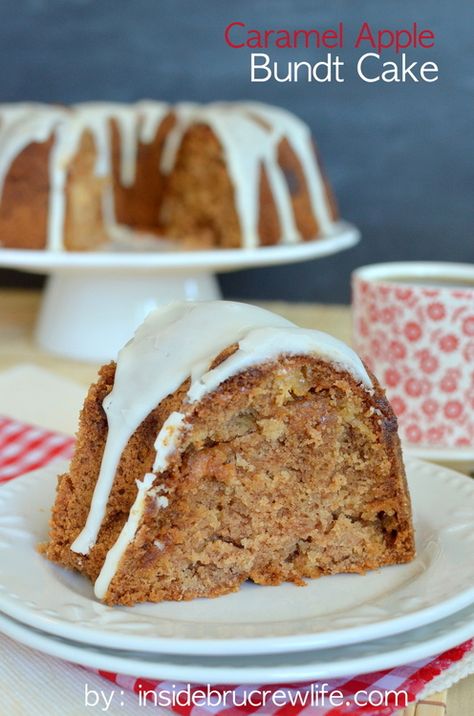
[{"x": 288, "y": 471}]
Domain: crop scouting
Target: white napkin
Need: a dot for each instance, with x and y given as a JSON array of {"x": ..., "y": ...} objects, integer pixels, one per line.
[
  {"x": 33, "y": 684},
  {"x": 34, "y": 395}
]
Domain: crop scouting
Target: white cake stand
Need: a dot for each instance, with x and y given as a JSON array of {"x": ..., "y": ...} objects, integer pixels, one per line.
[{"x": 94, "y": 300}]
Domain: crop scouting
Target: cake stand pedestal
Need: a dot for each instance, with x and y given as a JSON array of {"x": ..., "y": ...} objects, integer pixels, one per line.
[
  {"x": 94, "y": 301},
  {"x": 90, "y": 316}
]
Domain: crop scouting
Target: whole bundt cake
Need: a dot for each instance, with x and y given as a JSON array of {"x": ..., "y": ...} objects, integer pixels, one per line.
[{"x": 218, "y": 175}]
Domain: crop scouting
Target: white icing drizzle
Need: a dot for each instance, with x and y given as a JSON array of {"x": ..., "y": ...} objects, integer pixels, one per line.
[
  {"x": 97, "y": 117},
  {"x": 24, "y": 123},
  {"x": 298, "y": 135},
  {"x": 178, "y": 342},
  {"x": 172, "y": 344},
  {"x": 20, "y": 125},
  {"x": 67, "y": 139},
  {"x": 261, "y": 345},
  {"x": 127, "y": 534},
  {"x": 248, "y": 145},
  {"x": 167, "y": 440},
  {"x": 152, "y": 115},
  {"x": 249, "y": 134},
  {"x": 184, "y": 114}
]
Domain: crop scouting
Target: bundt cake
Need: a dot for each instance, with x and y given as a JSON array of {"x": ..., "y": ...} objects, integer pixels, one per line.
[
  {"x": 218, "y": 175},
  {"x": 227, "y": 444}
]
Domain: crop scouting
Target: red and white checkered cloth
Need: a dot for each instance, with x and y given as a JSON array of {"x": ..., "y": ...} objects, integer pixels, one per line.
[{"x": 24, "y": 448}]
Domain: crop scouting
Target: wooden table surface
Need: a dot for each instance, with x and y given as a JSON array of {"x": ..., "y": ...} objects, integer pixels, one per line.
[{"x": 18, "y": 310}]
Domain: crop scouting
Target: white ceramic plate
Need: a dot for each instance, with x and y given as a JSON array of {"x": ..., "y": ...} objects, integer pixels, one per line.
[
  {"x": 168, "y": 257},
  {"x": 287, "y": 668},
  {"x": 441, "y": 454},
  {"x": 331, "y": 611}
]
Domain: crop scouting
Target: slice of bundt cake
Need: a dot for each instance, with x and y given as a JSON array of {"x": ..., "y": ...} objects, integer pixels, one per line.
[{"x": 228, "y": 444}]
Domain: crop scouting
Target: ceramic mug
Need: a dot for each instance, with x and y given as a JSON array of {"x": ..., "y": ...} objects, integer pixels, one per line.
[{"x": 413, "y": 325}]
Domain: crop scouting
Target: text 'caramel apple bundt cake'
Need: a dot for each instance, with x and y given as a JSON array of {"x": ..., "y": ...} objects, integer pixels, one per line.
[
  {"x": 227, "y": 444},
  {"x": 219, "y": 175}
]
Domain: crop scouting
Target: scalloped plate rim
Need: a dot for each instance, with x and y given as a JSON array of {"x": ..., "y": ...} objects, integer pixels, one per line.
[
  {"x": 109, "y": 634},
  {"x": 385, "y": 653}
]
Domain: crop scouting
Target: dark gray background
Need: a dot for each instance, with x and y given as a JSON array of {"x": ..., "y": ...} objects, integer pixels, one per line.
[{"x": 399, "y": 156}]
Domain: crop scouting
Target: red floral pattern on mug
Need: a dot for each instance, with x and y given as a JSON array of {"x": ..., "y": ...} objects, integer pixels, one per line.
[
  {"x": 436, "y": 311},
  {"x": 419, "y": 342},
  {"x": 468, "y": 326},
  {"x": 413, "y": 331},
  {"x": 449, "y": 342}
]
